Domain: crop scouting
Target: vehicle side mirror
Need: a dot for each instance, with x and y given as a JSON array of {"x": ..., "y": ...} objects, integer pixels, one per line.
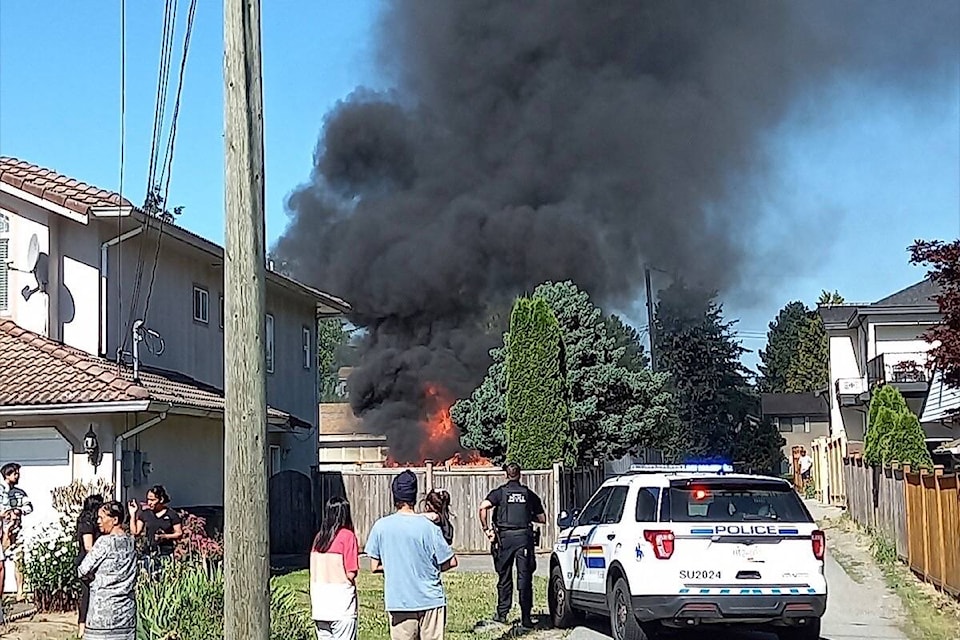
[{"x": 566, "y": 520}]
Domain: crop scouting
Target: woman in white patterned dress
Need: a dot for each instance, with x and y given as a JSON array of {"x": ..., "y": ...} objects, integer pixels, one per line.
[{"x": 112, "y": 566}]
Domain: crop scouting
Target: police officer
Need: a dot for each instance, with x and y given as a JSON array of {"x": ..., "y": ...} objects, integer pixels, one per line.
[{"x": 516, "y": 509}]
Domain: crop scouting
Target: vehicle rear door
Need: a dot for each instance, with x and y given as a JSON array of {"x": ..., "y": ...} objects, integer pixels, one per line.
[
  {"x": 741, "y": 536},
  {"x": 586, "y": 563}
]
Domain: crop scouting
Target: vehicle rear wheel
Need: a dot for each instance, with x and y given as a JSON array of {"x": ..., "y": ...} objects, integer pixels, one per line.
[
  {"x": 810, "y": 631},
  {"x": 623, "y": 622},
  {"x": 562, "y": 615}
]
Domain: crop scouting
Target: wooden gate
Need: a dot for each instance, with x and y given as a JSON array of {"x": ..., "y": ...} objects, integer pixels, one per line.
[{"x": 292, "y": 524}]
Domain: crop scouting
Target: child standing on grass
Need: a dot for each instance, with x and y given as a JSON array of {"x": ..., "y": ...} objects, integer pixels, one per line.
[{"x": 334, "y": 563}]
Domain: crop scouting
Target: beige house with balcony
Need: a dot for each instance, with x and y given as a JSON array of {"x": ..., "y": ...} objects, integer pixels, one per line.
[
  {"x": 879, "y": 343},
  {"x": 111, "y": 326}
]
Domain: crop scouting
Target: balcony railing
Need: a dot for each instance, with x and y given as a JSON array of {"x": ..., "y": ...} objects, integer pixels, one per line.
[{"x": 900, "y": 369}]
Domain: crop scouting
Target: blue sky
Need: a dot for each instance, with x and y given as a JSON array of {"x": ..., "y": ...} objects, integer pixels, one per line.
[{"x": 873, "y": 171}]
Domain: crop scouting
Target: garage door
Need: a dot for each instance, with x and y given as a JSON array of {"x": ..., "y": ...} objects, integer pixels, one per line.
[{"x": 45, "y": 457}]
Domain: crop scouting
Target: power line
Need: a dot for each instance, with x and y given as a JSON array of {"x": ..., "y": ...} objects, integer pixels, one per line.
[
  {"x": 163, "y": 79},
  {"x": 167, "y": 168},
  {"x": 123, "y": 138}
]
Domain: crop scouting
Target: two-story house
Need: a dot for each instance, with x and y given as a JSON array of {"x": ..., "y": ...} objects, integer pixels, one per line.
[
  {"x": 111, "y": 347},
  {"x": 800, "y": 419},
  {"x": 880, "y": 343}
]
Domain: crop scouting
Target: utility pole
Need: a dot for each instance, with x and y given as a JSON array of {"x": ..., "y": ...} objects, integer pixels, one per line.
[
  {"x": 246, "y": 513},
  {"x": 651, "y": 327}
]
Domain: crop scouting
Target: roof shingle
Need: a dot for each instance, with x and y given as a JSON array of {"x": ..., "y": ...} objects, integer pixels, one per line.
[
  {"x": 39, "y": 371},
  {"x": 57, "y": 188}
]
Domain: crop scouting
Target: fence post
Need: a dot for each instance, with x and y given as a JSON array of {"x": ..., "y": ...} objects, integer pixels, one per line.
[
  {"x": 925, "y": 528},
  {"x": 557, "y": 499},
  {"x": 942, "y": 554},
  {"x": 905, "y": 469},
  {"x": 429, "y": 475}
]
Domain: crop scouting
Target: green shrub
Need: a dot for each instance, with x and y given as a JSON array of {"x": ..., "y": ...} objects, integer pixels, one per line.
[
  {"x": 538, "y": 411},
  {"x": 894, "y": 433},
  {"x": 187, "y": 604},
  {"x": 49, "y": 567}
]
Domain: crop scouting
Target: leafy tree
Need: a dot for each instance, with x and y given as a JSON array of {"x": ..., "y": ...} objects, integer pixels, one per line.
[
  {"x": 699, "y": 350},
  {"x": 894, "y": 433},
  {"x": 809, "y": 369},
  {"x": 783, "y": 342},
  {"x": 613, "y": 410},
  {"x": 538, "y": 413},
  {"x": 758, "y": 446},
  {"x": 332, "y": 343},
  {"x": 828, "y": 298},
  {"x": 943, "y": 261},
  {"x": 634, "y": 356}
]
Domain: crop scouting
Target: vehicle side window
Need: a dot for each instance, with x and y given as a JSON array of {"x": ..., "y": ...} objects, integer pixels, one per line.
[
  {"x": 665, "y": 506},
  {"x": 647, "y": 504},
  {"x": 594, "y": 510},
  {"x": 613, "y": 510}
]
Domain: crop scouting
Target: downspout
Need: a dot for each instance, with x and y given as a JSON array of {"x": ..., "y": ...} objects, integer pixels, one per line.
[
  {"x": 104, "y": 264},
  {"x": 118, "y": 452}
]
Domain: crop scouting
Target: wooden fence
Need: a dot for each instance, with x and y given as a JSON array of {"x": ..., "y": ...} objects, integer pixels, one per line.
[
  {"x": 368, "y": 490},
  {"x": 918, "y": 510},
  {"x": 828, "y": 476}
]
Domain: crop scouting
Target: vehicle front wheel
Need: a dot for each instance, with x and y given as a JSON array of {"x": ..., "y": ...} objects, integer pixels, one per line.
[
  {"x": 562, "y": 615},
  {"x": 623, "y": 621},
  {"x": 810, "y": 631}
]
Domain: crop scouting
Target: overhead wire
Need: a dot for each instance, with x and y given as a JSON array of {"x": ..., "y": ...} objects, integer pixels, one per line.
[
  {"x": 123, "y": 138},
  {"x": 163, "y": 79},
  {"x": 167, "y": 167}
]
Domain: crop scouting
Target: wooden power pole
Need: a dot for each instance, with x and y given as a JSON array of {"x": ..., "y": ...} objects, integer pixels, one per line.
[
  {"x": 246, "y": 510},
  {"x": 651, "y": 325}
]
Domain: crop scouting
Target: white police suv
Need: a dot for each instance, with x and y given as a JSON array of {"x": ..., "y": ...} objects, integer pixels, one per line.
[{"x": 689, "y": 546}]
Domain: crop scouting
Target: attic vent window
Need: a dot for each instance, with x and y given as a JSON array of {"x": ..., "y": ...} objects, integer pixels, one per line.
[
  {"x": 201, "y": 305},
  {"x": 4, "y": 256}
]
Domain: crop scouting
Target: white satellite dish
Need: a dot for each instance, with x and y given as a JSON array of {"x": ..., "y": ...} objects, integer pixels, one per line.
[{"x": 33, "y": 252}]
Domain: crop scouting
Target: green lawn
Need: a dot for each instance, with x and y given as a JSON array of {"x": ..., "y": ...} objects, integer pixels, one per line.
[{"x": 471, "y": 598}]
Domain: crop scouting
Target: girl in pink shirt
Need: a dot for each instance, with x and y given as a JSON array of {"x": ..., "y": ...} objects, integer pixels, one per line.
[{"x": 334, "y": 563}]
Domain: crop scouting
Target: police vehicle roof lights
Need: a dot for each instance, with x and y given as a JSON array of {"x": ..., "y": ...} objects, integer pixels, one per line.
[{"x": 682, "y": 468}]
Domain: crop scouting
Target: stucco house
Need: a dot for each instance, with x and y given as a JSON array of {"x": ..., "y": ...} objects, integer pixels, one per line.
[
  {"x": 800, "y": 418},
  {"x": 879, "y": 343},
  {"x": 111, "y": 334}
]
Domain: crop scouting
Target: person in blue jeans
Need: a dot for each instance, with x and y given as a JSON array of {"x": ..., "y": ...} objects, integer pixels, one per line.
[{"x": 411, "y": 552}]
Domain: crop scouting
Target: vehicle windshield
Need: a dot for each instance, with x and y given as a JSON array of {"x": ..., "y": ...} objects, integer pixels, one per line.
[{"x": 736, "y": 503}]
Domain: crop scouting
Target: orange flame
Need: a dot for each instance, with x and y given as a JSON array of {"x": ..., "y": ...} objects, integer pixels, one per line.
[{"x": 440, "y": 435}]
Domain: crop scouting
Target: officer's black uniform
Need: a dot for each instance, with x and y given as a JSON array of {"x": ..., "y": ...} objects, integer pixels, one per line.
[{"x": 515, "y": 509}]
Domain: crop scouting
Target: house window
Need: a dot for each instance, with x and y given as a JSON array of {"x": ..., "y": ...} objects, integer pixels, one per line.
[
  {"x": 222, "y": 317},
  {"x": 307, "y": 352},
  {"x": 201, "y": 304},
  {"x": 268, "y": 340},
  {"x": 274, "y": 459},
  {"x": 4, "y": 256},
  {"x": 793, "y": 425}
]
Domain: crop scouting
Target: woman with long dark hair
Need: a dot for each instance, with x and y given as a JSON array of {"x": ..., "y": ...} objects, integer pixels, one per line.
[
  {"x": 87, "y": 533},
  {"x": 436, "y": 507},
  {"x": 111, "y": 567},
  {"x": 160, "y": 524},
  {"x": 334, "y": 564}
]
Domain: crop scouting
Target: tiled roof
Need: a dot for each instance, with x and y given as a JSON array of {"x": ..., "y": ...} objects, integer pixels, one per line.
[
  {"x": 40, "y": 371},
  {"x": 55, "y": 187}
]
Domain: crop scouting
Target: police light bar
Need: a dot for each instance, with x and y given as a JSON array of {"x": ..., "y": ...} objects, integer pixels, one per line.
[{"x": 681, "y": 468}]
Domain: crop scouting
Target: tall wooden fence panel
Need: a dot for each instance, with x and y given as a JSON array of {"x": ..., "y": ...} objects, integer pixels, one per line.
[
  {"x": 918, "y": 510},
  {"x": 933, "y": 523},
  {"x": 368, "y": 490},
  {"x": 291, "y": 513}
]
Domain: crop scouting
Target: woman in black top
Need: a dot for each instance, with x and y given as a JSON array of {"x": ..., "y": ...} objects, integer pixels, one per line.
[
  {"x": 160, "y": 523},
  {"x": 87, "y": 534}
]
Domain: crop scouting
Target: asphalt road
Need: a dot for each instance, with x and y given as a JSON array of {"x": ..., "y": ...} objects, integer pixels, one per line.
[{"x": 855, "y": 611}]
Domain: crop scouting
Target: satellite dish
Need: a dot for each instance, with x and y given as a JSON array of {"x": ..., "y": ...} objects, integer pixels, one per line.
[
  {"x": 33, "y": 252},
  {"x": 39, "y": 267}
]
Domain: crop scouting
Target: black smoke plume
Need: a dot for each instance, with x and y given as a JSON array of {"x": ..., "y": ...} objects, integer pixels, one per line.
[{"x": 555, "y": 139}]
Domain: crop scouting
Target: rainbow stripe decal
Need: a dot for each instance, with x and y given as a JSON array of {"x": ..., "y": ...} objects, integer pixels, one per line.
[{"x": 593, "y": 557}]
